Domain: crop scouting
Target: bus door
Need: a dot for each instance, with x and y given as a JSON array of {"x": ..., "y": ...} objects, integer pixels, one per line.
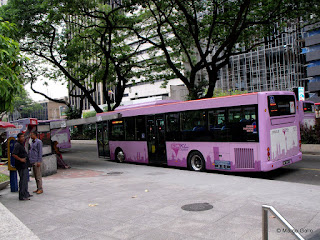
[
  {"x": 156, "y": 139},
  {"x": 106, "y": 147},
  {"x": 102, "y": 139}
]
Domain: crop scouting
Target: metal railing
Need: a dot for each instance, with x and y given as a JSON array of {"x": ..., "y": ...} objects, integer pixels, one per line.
[{"x": 291, "y": 229}]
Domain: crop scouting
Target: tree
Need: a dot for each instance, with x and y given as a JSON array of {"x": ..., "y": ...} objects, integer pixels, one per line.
[
  {"x": 203, "y": 35},
  {"x": 82, "y": 41},
  {"x": 24, "y": 105},
  {"x": 10, "y": 66}
]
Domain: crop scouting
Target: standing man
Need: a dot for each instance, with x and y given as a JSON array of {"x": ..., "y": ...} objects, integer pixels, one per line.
[
  {"x": 20, "y": 155},
  {"x": 35, "y": 156}
]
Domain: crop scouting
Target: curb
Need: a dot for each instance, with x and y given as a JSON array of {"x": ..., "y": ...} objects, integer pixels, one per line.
[
  {"x": 3, "y": 185},
  {"x": 310, "y": 149},
  {"x": 89, "y": 142},
  {"x": 12, "y": 227}
]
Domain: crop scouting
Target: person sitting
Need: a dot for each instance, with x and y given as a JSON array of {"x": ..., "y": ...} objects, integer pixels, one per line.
[{"x": 60, "y": 162}]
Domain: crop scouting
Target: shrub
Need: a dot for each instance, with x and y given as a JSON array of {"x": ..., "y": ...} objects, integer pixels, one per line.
[{"x": 310, "y": 135}]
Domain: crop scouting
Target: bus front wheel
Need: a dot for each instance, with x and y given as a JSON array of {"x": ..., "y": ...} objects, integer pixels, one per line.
[
  {"x": 196, "y": 161},
  {"x": 120, "y": 155}
]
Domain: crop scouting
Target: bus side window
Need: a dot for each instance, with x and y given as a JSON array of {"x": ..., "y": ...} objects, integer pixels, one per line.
[
  {"x": 193, "y": 121},
  {"x": 130, "y": 128},
  {"x": 217, "y": 125},
  {"x": 251, "y": 127},
  {"x": 173, "y": 127},
  {"x": 194, "y": 126},
  {"x": 236, "y": 121},
  {"x": 140, "y": 128},
  {"x": 117, "y": 130}
]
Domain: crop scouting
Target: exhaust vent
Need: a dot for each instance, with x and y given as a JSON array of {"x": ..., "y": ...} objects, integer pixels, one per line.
[{"x": 244, "y": 158}]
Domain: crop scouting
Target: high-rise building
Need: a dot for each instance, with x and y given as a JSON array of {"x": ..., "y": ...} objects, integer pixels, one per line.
[{"x": 312, "y": 52}]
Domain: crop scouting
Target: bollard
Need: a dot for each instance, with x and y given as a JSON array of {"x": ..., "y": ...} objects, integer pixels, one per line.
[
  {"x": 11, "y": 166},
  {"x": 13, "y": 181}
]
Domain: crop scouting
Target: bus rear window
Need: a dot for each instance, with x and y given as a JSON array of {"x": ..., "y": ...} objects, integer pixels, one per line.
[
  {"x": 308, "y": 107},
  {"x": 281, "y": 105}
]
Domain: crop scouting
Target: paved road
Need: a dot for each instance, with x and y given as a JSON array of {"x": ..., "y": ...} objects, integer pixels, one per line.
[
  {"x": 306, "y": 171},
  {"x": 92, "y": 201}
]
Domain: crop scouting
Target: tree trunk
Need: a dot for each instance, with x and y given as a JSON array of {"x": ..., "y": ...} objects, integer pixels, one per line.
[{"x": 213, "y": 78}]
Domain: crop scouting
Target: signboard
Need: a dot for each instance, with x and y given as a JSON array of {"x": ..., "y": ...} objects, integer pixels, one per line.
[
  {"x": 292, "y": 108},
  {"x": 301, "y": 95},
  {"x": 11, "y": 160},
  {"x": 63, "y": 110},
  {"x": 62, "y": 136},
  {"x": 33, "y": 121}
]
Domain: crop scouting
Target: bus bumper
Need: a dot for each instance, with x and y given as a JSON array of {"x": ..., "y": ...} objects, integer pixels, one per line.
[{"x": 271, "y": 165}]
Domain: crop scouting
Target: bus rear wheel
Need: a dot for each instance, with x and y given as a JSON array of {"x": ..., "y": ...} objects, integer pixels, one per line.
[
  {"x": 196, "y": 161},
  {"x": 120, "y": 155}
]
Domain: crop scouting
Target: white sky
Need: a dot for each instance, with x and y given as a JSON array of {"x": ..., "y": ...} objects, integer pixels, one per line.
[{"x": 53, "y": 90}]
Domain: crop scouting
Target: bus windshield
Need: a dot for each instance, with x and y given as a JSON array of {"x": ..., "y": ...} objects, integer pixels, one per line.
[
  {"x": 308, "y": 107},
  {"x": 281, "y": 105}
]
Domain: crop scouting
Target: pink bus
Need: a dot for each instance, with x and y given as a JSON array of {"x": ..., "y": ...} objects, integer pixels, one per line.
[
  {"x": 317, "y": 109},
  {"x": 307, "y": 114},
  {"x": 241, "y": 133}
]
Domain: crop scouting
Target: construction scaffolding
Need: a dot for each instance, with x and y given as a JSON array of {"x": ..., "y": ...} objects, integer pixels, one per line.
[{"x": 277, "y": 65}]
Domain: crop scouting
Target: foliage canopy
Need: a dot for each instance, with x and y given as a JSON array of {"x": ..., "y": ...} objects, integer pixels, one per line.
[{"x": 10, "y": 66}]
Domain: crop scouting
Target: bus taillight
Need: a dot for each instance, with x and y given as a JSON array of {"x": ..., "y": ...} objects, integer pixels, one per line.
[
  {"x": 268, "y": 149},
  {"x": 300, "y": 145}
]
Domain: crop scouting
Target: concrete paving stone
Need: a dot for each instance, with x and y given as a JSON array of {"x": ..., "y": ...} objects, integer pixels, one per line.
[
  {"x": 297, "y": 218},
  {"x": 254, "y": 234},
  {"x": 18, "y": 236},
  {"x": 149, "y": 206},
  {"x": 315, "y": 235},
  {"x": 157, "y": 234},
  {"x": 226, "y": 206},
  {"x": 122, "y": 214},
  {"x": 209, "y": 216},
  {"x": 157, "y": 214},
  {"x": 185, "y": 226},
  {"x": 27, "y": 217},
  {"x": 72, "y": 204},
  {"x": 151, "y": 220},
  {"x": 124, "y": 230},
  {"x": 234, "y": 219},
  {"x": 220, "y": 230},
  {"x": 98, "y": 226},
  {"x": 39, "y": 228},
  {"x": 250, "y": 209},
  {"x": 96, "y": 236},
  {"x": 171, "y": 210},
  {"x": 12, "y": 227},
  {"x": 46, "y": 209},
  {"x": 64, "y": 233},
  {"x": 277, "y": 231},
  {"x": 87, "y": 221},
  {"x": 314, "y": 224}
]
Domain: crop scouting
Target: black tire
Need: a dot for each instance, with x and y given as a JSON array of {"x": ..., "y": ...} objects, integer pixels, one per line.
[
  {"x": 196, "y": 162},
  {"x": 119, "y": 156}
]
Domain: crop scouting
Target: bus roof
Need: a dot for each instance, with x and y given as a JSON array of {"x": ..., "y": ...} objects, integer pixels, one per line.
[
  {"x": 145, "y": 104},
  {"x": 233, "y": 100}
]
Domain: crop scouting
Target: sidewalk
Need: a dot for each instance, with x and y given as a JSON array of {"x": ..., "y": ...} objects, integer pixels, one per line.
[
  {"x": 107, "y": 200},
  {"x": 313, "y": 149},
  {"x": 12, "y": 227},
  {"x": 90, "y": 142}
]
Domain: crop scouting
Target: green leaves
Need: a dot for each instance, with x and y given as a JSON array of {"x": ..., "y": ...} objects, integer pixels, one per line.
[
  {"x": 204, "y": 35},
  {"x": 23, "y": 104},
  {"x": 10, "y": 66}
]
